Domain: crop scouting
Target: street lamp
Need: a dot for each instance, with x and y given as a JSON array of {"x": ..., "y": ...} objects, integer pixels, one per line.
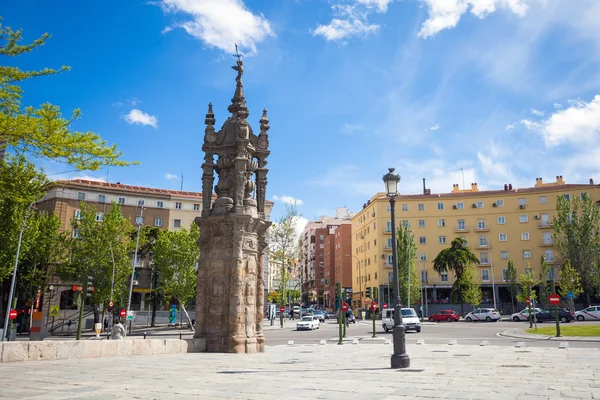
[
  {"x": 399, "y": 358},
  {"x": 359, "y": 279},
  {"x": 135, "y": 261},
  {"x": 489, "y": 247}
]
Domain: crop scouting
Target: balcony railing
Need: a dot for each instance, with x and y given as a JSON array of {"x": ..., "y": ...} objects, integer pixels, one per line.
[
  {"x": 482, "y": 228},
  {"x": 485, "y": 263},
  {"x": 461, "y": 228},
  {"x": 547, "y": 242},
  {"x": 387, "y": 230},
  {"x": 545, "y": 224},
  {"x": 387, "y": 248},
  {"x": 480, "y": 246}
]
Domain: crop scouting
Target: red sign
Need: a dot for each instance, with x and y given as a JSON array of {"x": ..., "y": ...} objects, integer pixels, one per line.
[
  {"x": 384, "y": 305},
  {"x": 12, "y": 314},
  {"x": 282, "y": 309},
  {"x": 345, "y": 307},
  {"x": 123, "y": 313},
  {"x": 554, "y": 299},
  {"x": 528, "y": 301}
]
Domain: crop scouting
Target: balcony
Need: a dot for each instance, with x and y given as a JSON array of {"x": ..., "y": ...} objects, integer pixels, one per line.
[
  {"x": 480, "y": 246},
  {"x": 482, "y": 227},
  {"x": 551, "y": 260},
  {"x": 387, "y": 248},
  {"x": 461, "y": 228},
  {"x": 546, "y": 243},
  {"x": 485, "y": 263},
  {"x": 545, "y": 224}
]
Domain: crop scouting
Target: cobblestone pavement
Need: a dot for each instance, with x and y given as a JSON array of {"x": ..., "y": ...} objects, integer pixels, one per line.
[{"x": 317, "y": 372}]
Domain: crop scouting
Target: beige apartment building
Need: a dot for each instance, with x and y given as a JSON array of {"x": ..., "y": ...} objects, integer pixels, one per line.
[{"x": 499, "y": 225}]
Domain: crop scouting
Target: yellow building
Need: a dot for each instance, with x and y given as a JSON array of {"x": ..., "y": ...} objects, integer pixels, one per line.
[{"x": 499, "y": 225}]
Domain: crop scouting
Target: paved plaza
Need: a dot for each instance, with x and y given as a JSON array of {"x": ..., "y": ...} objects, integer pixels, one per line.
[{"x": 317, "y": 372}]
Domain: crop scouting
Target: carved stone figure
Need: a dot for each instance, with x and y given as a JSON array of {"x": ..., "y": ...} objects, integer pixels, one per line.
[{"x": 229, "y": 303}]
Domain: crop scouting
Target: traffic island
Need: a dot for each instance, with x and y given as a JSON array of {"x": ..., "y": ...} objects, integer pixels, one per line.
[{"x": 549, "y": 333}]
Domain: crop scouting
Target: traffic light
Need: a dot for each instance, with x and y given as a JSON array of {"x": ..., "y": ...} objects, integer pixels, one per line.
[
  {"x": 368, "y": 292},
  {"x": 376, "y": 293}
]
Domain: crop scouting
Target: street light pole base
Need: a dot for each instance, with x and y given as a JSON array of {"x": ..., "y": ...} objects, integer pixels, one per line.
[{"x": 400, "y": 361}]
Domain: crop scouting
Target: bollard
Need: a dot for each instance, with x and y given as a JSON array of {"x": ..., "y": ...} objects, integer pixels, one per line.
[
  {"x": 180, "y": 333},
  {"x": 144, "y": 335}
]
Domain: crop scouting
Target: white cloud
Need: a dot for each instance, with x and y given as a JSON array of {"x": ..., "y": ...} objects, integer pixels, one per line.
[
  {"x": 221, "y": 23},
  {"x": 90, "y": 178},
  {"x": 381, "y": 5},
  {"x": 445, "y": 14},
  {"x": 539, "y": 113},
  {"x": 351, "y": 20},
  {"x": 580, "y": 123},
  {"x": 139, "y": 117},
  {"x": 510, "y": 127},
  {"x": 171, "y": 177},
  {"x": 351, "y": 128},
  {"x": 558, "y": 105},
  {"x": 288, "y": 200},
  {"x": 435, "y": 127}
]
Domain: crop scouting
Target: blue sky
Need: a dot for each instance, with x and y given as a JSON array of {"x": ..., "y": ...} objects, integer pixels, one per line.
[{"x": 506, "y": 90}]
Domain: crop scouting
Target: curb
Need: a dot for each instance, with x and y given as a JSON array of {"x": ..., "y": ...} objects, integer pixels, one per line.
[{"x": 521, "y": 334}]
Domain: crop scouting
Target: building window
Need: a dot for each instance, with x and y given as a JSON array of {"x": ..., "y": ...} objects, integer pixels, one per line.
[
  {"x": 526, "y": 253},
  {"x": 551, "y": 274},
  {"x": 321, "y": 246},
  {"x": 421, "y": 207},
  {"x": 176, "y": 223},
  {"x": 157, "y": 221},
  {"x": 543, "y": 200},
  {"x": 480, "y": 204},
  {"x": 101, "y": 198},
  {"x": 440, "y": 206},
  {"x": 501, "y": 220},
  {"x": 389, "y": 243},
  {"x": 100, "y": 216},
  {"x": 441, "y": 222},
  {"x": 461, "y": 224},
  {"x": 404, "y": 207},
  {"x": 567, "y": 197},
  {"x": 389, "y": 262},
  {"x": 405, "y": 223},
  {"x": 500, "y": 203},
  {"x": 483, "y": 258},
  {"x": 549, "y": 256},
  {"x": 422, "y": 240},
  {"x": 483, "y": 241},
  {"x": 139, "y": 220},
  {"x": 423, "y": 257},
  {"x": 76, "y": 233},
  {"x": 523, "y": 218},
  {"x": 524, "y": 235},
  {"x": 481, "y": 223},
  {"x": 502, "y": 237},
  {"x": 504, "y": 274},
  {"x": 485, "y": 275},
  {"x": 421, "y": 223},
  {"x": 160, "y": 204},
  {"x": 583, "y": 195},
  {"x": 178, "y": 206},
  {"x": 444, "y": 276},
  {"x": 141, "y": 202},
  {"x": 423, "y": 276},
  {"x": 387, "y": 208},
  {"x": 80, "y": 196},
  {"x": 522, "y": 202},
  {"x": 77, "y": 215},
  {"x": 504, "y": 255},
  {"x": 442, "y": 239},
  {"x": 121, "y": 200},
  {"x": 460, "y": 206},
  {"x": 196, "y": 207},
  {"x": 388, "y": 226}
]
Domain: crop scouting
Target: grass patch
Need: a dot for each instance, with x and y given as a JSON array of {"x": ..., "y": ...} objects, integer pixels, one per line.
[{"x": 571, "y": 330}]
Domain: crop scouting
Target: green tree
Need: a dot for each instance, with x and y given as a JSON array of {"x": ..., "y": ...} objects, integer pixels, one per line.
[
  {"x": 455, "y": 259},
  {"x": 176, "y": 255},
  {"x": 546, "y": 285},
  {"x": 577, "y": 237},
  {"x": 43, "y": 132},
  {"x": 148, "y": 238},
  {"x": 569, "y": 282},
  {"x": 527, "y": 283},
  {"x": 511, "y": 280},
  {"x": 470, "y": 288},
  {"x": 99, "y": 245},
  {"x": 283, "y": 249},
  {"x": 407, "y": 258}
]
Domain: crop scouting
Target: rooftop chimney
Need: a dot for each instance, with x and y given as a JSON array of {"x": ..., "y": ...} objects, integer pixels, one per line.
[
  {"x": 510, "y": 186},
  {"x": 591, "y": 181},
  {"x": 424, "y": 190},
  {"x": 505, "y": 186}
]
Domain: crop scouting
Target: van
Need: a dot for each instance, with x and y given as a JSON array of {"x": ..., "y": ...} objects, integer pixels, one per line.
[{"x": 410, "y": 320}]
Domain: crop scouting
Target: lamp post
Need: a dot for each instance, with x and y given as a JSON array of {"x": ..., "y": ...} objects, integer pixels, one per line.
[
  {"x": 489, "y": 246},
  {"x": 359, "y": 279},
  {"x": 135, "y": 259},
  {"x": 399, "y": 358}
]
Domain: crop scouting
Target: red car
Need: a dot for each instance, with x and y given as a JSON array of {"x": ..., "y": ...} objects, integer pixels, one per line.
[{"x": 444, "y": 315}]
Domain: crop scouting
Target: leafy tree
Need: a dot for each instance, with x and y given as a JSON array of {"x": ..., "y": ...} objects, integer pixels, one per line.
[
  {"x": 407, "y": 257},
  {"x": 577, "y": 237},
  {"x": 527, "y": 283},
  {"x": 148, "y": 238},
  {"x": 470, "y": 288},
  {"x": 43, "y": 132},
  {"x": 569, "y": 282},
  {"x": 546, "y": 285},
  {"x": 283, "y": 247},
  {"x": 97, "y": 248},
  {"x": 176, "y": 256},
  {"x": 455, "y": 259},
  {"x": 511, "y": 280}
]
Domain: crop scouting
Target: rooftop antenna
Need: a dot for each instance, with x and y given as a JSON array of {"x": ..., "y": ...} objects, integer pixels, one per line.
[
  {"x": 463, "y": 177},
  {"x": 181, "y": 182}
]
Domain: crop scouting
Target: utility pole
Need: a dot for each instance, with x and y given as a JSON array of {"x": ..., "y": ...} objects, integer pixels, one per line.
[{"x": 135, "y": 259}]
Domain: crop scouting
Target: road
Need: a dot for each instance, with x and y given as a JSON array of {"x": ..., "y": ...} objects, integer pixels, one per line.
[{"x": 434, "y": 333}]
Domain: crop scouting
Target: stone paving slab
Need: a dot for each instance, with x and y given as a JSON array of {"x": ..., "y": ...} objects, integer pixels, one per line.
[{"x": 317, "y": 372}]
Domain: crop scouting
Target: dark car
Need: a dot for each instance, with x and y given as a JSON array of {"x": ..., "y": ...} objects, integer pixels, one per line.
[
  {"x": 444, "y": 315},
  {"x": 548, "y": 315}
]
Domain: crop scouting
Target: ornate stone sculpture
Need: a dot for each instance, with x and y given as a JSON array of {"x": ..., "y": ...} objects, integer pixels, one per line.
[{"x": 229, "y": 303}]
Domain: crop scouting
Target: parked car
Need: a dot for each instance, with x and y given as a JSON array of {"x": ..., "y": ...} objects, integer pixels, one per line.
[
  {"x": 321, "y": 315},
  {"x": 483, "y": 314},
  {"x": 444, "y": 315},
  {"x": 589, "y": 314},
  {"x": 523, "y": 315},
  {"x": 548, "y": 315},
  {"x": 410, "y": 320},
  {"x": 309, "y": 323}
]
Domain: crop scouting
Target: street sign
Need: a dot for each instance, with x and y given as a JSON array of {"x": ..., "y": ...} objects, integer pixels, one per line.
[
  {"x": 130, "y": 317},
  {"x": 123, "y": 313},
  {"x": 13, "y": 314},
  {"x": 554, "y": 299},
  {"x": 571, "y": 295},
  {"x": 54, "y": 311},
  {"x": 282, "y": 309},
  {"x": 345, "y": 307},
  {"x": 528, "y": 301}
]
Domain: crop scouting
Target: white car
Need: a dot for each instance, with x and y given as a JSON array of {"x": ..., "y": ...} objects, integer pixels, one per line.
[
  {"x": 523, "y": 315},
  {"x": 589, "y": 314},
  {"x": 309, "y": 323},
  {"x": 410, "y": 320},
  {"x": 483, "y": 314}
]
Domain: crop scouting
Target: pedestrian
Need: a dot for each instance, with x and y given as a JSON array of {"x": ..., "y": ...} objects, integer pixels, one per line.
[
  {"x": 118, "y": 331},
  {"x": 105, "y": 324}
]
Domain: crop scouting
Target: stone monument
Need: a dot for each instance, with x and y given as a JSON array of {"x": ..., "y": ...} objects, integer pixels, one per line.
[{"x": 229, "y": 299}]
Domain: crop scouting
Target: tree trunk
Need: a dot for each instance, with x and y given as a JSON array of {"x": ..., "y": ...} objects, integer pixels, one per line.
[
  {"x": 154, "y": 300},
  {"x": 187, "y": 316},
  {"x": 82, "y": 298},
  {"x": 588, "y": 300}
]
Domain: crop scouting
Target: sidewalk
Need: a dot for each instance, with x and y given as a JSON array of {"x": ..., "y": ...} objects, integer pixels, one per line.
[
  {"x": 521, "y": 334},
  {"x": 348, "y": 371}
]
